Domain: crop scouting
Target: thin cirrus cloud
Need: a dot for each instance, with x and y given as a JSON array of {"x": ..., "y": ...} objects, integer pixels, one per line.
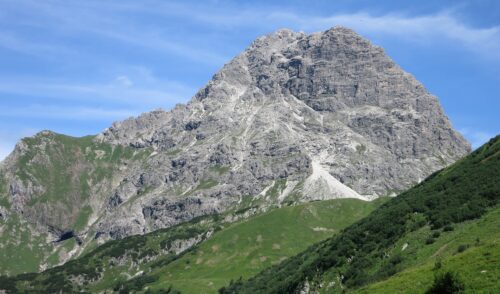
[
  {"x": 111, "y": 21},
  {"x": 122, "y": 91},
  {"x": 440, "y": 26},
  {"x": 44, "y": 50},
  {"x": 66, "y": 112},
  {"x": 98, "y": 20}
]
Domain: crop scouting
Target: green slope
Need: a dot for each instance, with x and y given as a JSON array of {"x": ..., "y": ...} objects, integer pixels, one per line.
[
  {"x": 239, "y": 249},
  {"x": 472, "y": 250},
  {"x": 366, "y": 252},
  {"x": 243, "y": 249},
  {"x": 477, "y": 268}
]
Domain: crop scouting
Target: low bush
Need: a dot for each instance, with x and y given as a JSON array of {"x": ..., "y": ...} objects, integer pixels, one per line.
[
  {"x": 461, "y": 248},
  {"x": 446, "y": 283}
]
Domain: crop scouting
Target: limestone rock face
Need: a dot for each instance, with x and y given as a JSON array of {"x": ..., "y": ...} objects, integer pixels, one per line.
[
  {"x": 329, "y": 97},
  {"x": 295, "y": 117}
]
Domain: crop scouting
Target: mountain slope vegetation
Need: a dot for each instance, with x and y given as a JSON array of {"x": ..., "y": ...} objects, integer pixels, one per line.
[
  {"x": 226, "y": 251},
  {"x": 471, "y": 251},
  {"x": 364, "y": 252}
]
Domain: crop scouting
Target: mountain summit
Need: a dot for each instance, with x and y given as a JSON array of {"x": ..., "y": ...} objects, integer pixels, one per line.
[{"x": 293, "y": 118}]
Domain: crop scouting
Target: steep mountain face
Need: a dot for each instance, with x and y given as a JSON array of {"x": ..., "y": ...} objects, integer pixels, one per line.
[{"x": 293, "y": 118}]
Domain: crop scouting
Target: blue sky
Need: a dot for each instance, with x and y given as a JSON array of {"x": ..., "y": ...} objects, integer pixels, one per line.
[{"x": 76, "y": 66}]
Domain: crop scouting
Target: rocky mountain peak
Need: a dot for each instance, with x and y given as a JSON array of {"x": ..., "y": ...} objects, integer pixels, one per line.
[
  {"x": 335, "y": 73},
  {"x": 332, "y": 89}
]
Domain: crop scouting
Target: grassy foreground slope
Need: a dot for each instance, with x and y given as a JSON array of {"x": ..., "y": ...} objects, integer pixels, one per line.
[
  {"x": 226, "y": 251},
  {"x": 243, "y": 249},
  {"x": 365, "y": 252},
  {"x": 471, "y": 250}
]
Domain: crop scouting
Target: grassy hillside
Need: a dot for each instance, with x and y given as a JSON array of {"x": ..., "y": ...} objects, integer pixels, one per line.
[
  {"x": 471, "y": 250},
  {"x": 239, "y": 249},
  {"x": 365, "y": 252},
  {"x": 243, "y": 249}
]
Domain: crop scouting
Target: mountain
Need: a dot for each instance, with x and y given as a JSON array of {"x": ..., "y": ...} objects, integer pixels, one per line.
[
  {"x": 294, "y": 118},
  {"x": 447, "y": 222}
]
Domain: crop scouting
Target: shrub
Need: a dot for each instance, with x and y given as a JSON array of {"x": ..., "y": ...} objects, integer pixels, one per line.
[
  {"x": 429, "y": 240},
  {"x": 462, "y": 248},
  {"x": 448, "y": 228},
  {"x": 8, "y": 284},
  {"x": 438, "y": 265},
  {"x": 446, "y": 283}
]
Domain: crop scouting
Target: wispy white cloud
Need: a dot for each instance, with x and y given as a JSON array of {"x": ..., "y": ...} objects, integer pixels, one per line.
[
  {"x": 139, "y": 89},
  {"x": 67, "y": 112},
  {"x": 102, "y": 20},
  {"x": 112, "y": 20},
  {"x": 124, "y": 81},
  {"x": 439, "y": 27},
  {"x": 40, "y": 49}
]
